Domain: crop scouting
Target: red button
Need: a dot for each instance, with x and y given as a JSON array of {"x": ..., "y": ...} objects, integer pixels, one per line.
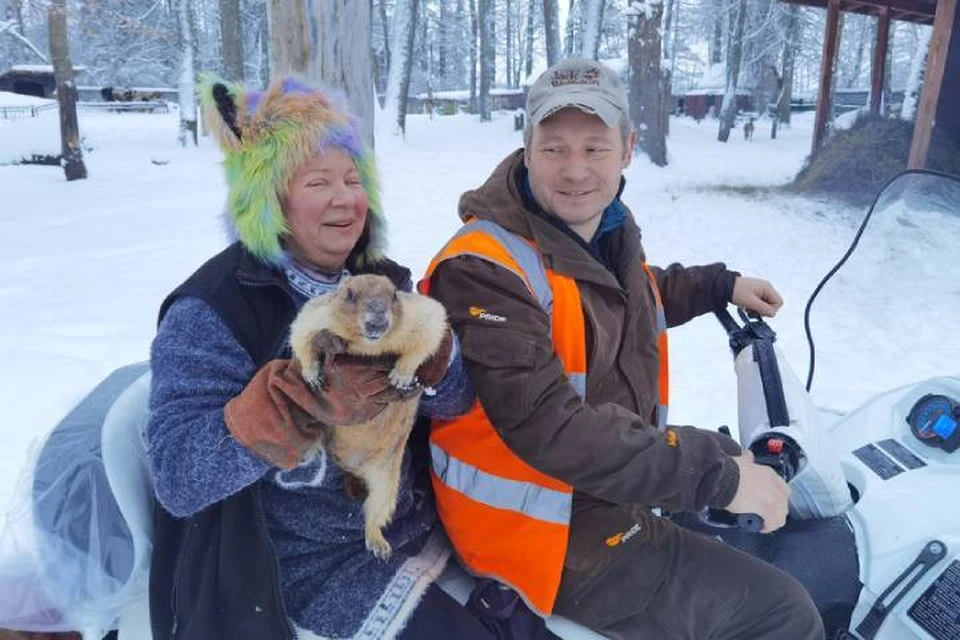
[{"x": 775, "y": 445}]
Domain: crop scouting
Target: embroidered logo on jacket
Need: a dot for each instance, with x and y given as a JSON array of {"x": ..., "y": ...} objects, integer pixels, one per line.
[
  {"x": 620, "y": 538},
  {"x": 482, "y": 314}
]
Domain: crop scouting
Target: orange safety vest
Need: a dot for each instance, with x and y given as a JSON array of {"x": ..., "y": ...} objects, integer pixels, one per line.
[{"x": 507, "y": 520}]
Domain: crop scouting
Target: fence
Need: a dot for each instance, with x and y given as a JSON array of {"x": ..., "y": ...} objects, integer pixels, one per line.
[
  {"x": 10, "y": 113},
  {"x": 31, "y": 111}
]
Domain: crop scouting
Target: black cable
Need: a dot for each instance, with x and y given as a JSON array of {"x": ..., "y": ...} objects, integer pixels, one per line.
[{"x": 846, "y": 256}]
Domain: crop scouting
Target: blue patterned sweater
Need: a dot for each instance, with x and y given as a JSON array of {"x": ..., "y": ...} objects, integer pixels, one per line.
[{"x": 331, "y": 585}]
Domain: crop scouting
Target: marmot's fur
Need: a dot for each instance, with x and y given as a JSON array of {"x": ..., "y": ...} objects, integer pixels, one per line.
[{"x": 368, "y": 316}]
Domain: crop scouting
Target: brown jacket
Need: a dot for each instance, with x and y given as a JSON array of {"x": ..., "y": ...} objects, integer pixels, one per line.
[{"x": 607, "y": 448}]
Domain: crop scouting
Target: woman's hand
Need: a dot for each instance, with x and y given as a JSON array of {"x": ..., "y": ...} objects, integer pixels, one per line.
[{"x": 278, "y": 416}]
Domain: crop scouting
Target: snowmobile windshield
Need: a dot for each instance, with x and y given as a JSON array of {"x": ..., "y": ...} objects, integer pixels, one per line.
[{"x": 890, "y": 313}]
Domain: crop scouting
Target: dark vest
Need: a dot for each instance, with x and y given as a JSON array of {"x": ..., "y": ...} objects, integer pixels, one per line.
[{"x": 214, "y": 575}]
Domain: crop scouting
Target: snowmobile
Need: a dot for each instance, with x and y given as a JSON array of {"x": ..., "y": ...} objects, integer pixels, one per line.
[{"x": 873, "y": 532}]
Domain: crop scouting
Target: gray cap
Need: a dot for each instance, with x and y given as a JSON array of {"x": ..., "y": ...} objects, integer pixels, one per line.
[{"x": 582, "y": 83}]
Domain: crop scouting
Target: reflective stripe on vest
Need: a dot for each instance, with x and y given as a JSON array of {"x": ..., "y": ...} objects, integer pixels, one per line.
[{"x": 505, "y": 519}]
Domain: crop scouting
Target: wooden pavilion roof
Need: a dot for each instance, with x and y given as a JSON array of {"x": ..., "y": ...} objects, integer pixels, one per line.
[{"x": 920, "y": 11}]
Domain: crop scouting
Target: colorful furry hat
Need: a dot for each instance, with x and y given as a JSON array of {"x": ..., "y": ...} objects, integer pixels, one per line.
[{"x": 265, "y": 136}]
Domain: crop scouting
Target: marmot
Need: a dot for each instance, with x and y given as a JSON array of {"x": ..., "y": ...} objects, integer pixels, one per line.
[{"x": 368, "y": 316}]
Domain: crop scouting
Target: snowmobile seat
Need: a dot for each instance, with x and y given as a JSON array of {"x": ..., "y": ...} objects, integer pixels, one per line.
[{"x": 92, "y": 506}]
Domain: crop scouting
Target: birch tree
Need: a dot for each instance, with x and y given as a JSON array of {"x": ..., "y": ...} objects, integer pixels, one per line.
[
  {"x": 72, "y": 154},
  {"x": 485, "y": 15},
  {"x": 918, "y": 68},
  {"x": 401, "y": 62},
  {"x": 791, "y": 40},
  {"x": 528, "y": 44},
  {"x": 728, "y": 111},
  {"x": 231, "y": 40},
  {"x": 474, "y": 36},
  {"x": 13, "y": 28},
  {"x": 343, "y": 54},
  {"x": 188, "y": 102},
  {"x": 646, "y": 79},
  {"x": 592, "y": 24},
  {"x": 571, "y": 39},
  {"x": 551, "y": 28},
  {"x": 328, "y": 44}
]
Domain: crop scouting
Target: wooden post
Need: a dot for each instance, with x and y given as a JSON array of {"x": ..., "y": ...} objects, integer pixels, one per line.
[
  {"x": 930, "y": 95},
  {"x": 879, "y": 68},
  {"x": 824, "y": 99}
]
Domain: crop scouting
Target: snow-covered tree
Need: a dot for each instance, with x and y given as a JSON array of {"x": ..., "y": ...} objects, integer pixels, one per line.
[
  {"x": 401, "y": 61},
  {"x": 231, "y": 40},
  {"x": 72, "y": 160},
  {"x": 485, "y": 16},
  {"x": 188, "y": 101},
  {"x": 592, "y": 24},
  {"x": 646, "y": 78},
  {"x": 728, "y": 112},
  {"x": 551, "y": 27},
  {"x": 918, "y": 68}
]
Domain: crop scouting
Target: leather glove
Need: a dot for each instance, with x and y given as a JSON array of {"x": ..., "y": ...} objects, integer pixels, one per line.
[
  {"x": 279, "y": 417},
  {"x": 431, "y": 372}
]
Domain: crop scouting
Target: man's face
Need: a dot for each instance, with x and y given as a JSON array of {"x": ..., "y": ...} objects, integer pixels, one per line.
[{"x": 574, "y": 162}]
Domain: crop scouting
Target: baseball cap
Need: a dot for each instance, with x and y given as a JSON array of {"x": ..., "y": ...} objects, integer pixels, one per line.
[{"x": 582, "y": 83}]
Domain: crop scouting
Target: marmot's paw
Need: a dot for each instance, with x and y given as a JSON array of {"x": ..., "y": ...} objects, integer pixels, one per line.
[
  {"x": 314, "y": 377},
  {"x": 403, "y": 382},
  {"x": 377, "y": 544}
]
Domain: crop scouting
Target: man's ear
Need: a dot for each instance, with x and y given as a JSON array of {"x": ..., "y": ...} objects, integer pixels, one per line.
[{"x": 628, "y": 150}]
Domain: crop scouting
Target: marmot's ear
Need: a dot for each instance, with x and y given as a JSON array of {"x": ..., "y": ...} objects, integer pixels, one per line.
[{"x": 220, "y": 102}]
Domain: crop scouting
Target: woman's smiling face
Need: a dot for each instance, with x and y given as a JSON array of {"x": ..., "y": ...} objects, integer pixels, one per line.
[{"x": 325, "y": 210}]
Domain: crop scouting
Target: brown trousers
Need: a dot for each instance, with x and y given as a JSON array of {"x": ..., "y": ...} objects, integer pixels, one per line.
[{"x": 669, "y": 583}]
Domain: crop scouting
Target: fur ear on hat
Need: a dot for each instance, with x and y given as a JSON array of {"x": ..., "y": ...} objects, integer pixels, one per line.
[
  {"x": 221, "y": 101},
  {"x": 265, "y": 136}
]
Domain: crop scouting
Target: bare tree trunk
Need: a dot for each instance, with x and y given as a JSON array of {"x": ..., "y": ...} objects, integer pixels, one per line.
[
  {"x": 263, "y": 39},
  {"x": 716, "y": 44},
  {"x": 570, "y": 42},
  {"x": 289, "y": 37},
  {"x": 646, "y": 81},
  {"x": 231, "y": 40},
  {"x": 551, "y": 28},
  {"x": 343, "y": 55},
  {"x": 911, "y": 96},
  {"x": 386, "y": 29},
  {"x": 790, "y": 44},
  {"x": 487, "y": 52},
  {"x": 728, "y": 111},
  {"x": 398, "y": 86},
  {"x": 509, "y": 38},
  {"x": 474, "y": 35},
  {"x": 592, "y": 23},
  {"x": 185, "y": 88},
  {"x": 444, "y": 27},
  {"x": 72, "y": 160},
  {"x": 528, "y": 48},
  {"x": 327, "y": 43}
]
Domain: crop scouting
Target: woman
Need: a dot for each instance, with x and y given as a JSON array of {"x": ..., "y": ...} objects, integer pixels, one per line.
[{"x": 253, "y": 540}]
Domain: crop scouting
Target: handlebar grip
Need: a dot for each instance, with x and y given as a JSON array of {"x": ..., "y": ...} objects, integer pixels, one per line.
[{"x": 751, "y": 522}]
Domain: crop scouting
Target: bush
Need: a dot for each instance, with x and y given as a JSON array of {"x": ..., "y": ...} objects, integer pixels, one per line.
[{"x": 853, "y": 165}]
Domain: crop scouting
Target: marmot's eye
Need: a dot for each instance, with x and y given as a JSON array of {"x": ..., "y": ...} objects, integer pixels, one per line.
[{"x": 351, "y": 295}]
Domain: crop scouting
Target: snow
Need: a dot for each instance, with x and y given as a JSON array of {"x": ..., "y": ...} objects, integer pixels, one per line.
[
  {"x": 86, "y": 264},
  {"x": 23, "y": 136},
  {"x": 8, "y": 99}
]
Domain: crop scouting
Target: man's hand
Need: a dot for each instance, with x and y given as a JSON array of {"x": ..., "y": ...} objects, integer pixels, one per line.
[
  {"x": 756, "y": 295},
  {"x": 761, "y": 491}
]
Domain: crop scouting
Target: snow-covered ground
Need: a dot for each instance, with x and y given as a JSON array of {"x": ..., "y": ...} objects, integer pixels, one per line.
[{"x": 87, "y": 264}]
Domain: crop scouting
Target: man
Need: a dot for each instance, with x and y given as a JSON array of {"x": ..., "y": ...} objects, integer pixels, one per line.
[{"x": 547, "y": 484}]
